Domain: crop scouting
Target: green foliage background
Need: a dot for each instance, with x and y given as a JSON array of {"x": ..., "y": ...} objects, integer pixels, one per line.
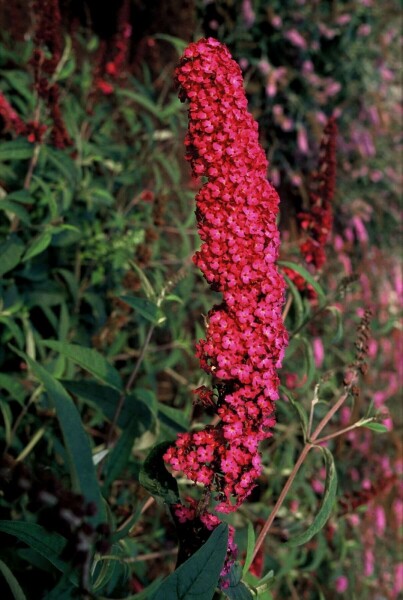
[{"x": 101, "y": 307}]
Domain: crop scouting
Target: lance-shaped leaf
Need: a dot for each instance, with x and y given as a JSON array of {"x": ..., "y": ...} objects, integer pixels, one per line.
[
  {"x": 197, "y": 578},
  {"x": 90, "y": 360},
  {"x": 326, "y": 507},
  {"x": 76, "y": 441},
  {"x": 306, "y": 275}
]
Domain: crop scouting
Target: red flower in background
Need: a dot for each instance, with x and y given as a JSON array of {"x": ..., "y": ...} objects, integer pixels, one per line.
[
  {"x": 45, "y": 59},
  {"x": 318, "y": 221},
  {"x": 236, "y": 213},
  {"x": 11, "y": 120}
]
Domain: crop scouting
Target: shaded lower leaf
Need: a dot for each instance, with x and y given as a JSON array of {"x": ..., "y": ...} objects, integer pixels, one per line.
[
  {"x": 13, "y": 584},
  {"x": 197, "y": 578},
  {"x": 155, "y": 478},
  {"x": 237, "y": 590},
  {"x": 10, "y": 251},
  {"x": 326, "y": 507},
  {"x": 76, "y": 440},
  {"x": 120, "y": 455},
  {"x": 48, "y": 544}
]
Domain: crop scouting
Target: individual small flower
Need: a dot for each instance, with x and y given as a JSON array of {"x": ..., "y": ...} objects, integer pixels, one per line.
[{"x": 246, "y": 339}]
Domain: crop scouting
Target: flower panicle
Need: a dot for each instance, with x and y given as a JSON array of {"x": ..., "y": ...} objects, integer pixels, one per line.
[
  {"x": 45, "y": 59},
  {"x": 236, "y": 215},
  {"x": 317, "y": 222}
]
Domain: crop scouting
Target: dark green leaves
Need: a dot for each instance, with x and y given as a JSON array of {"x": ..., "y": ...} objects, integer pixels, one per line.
[
  {"x": 196, "y": 579},
  {"x": 146, "y": 308},
  {"x": 155, "y": 477},
  {"x": 48, "y": 544},
  {"x": 90, "y": 360},
  {"x": 13, "y": 584},
  {"x": 10, "y": 251},
  {"x": 77, "y": 444},
  {"x": 326, "y": 507}
]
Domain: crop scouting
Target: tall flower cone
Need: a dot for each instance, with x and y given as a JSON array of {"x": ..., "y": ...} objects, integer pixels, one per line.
[{"x": 236, "y": 213}]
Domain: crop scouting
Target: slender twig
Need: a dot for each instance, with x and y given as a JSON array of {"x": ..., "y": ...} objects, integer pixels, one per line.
[
  {"x": 281, "y": 498},
  {"x": 311, "y": 442},
  {"x": 360, "y": 423},
  {"x": 287, "y": 307}
]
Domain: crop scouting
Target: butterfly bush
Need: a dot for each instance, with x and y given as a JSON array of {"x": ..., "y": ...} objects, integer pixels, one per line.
[{"x": 236, "y": 214}]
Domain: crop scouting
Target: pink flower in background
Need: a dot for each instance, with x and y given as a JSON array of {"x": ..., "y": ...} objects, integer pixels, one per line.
[
  {"x": 398, "y": 578},
  {"x": 236, "y": 213},
  {"x": 248, "y": 13},
  {"x": 302, "y": 140},
  {"x": 341, "y": 584},
  {"x": 318, "y": 351},
  {"x": 293, "y": 36}
]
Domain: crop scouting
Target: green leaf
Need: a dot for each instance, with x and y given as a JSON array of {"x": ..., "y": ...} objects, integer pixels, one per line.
[
  {"x": 143, "y": 101},
  {"x": 90, "y": 360},
  {"x": 76, "y": 441},
  {"x": 63, "y": 163},
  {"x": 48, "y": 544},
  {"x": 306, "y": 275},
  {"x": 146, "y": 284},
  {"x": 175, "y": 419},
  {"x": 15, "y": 209},
  {"x": 176, "y": 42},
  {"x": 378, "y": 427},
  {"x": 10, "y": 251},
  {"x": 237, "y": 589},
  {"x": 16, "y": 150},
  {"x": 13, "y": 387},
  {"x": 300, "y": 410},
  {"x": 197, "y": 578},
  {"x": 298, "y": 304},
  {"x": 13, "y": 584},
  {"x": 145, "y": 308},
  {"x": 249, "y": 547},
  {"x": 329, "y": 498},
  {"x": 335, "y": 310},
  {"x": 310, "y": 367},
  {"x": 120, "y": 455},
  {"x": 38, "y": 245},
  {"x": 155, "y": 478}
]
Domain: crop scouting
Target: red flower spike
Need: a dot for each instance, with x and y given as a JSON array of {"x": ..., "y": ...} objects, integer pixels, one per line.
[
  {"x": 236, "y": 213},
  {"x": 318, "y": 221}
]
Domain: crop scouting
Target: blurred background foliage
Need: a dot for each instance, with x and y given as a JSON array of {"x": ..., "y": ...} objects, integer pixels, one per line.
[{"x": 97, "y": 232}]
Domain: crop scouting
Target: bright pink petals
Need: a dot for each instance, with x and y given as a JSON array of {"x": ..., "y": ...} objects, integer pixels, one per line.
[{"x": 236, "y": 214}]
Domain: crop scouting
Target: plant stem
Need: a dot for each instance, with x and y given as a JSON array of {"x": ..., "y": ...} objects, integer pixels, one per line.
[
  {"x": 311, "y": 442},
  {"x": 281, "y": 498},
  {"x": 341, "y": 431}
]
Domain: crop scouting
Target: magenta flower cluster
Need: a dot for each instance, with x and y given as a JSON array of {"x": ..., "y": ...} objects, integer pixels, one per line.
[{"x": 246, "y": 339}]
